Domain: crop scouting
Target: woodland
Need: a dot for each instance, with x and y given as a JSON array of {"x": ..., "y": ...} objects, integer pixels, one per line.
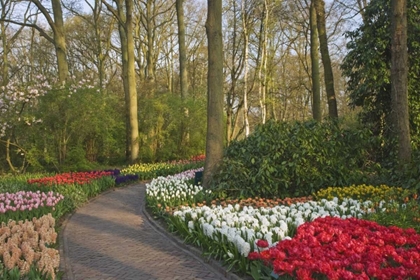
[{"x": 97, "y": 83}]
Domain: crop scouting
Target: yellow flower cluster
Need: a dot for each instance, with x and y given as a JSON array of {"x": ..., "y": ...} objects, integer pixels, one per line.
[
  {"x": 145, "y": 168},
  {"x": 363, "y": 192},
  {"x": 26, "y": 243}
]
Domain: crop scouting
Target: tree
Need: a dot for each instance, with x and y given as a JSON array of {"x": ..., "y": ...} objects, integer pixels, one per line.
[
  {"x": 124, "y": 15},
  {"x": 399, "y": 79},
  {"x": 215, "y": 129},
  {"x": 89, "y": 36},
  {"x": 316, "y": 87},
  {"x": 325, "y": 56},
  {"x": 153, "y": 18},
  {"x": 245, "y": 34},
  {"x": 183, "y": 73},
  {"x": 367, "y": 68},
  {"x": 56, "y": 22}
]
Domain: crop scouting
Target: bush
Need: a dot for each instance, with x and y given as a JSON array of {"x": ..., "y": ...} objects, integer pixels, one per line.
[{"x": 295, "y": 159}]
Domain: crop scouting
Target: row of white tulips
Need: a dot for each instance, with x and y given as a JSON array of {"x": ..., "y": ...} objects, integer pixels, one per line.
[
  {"x": 242, "y": 226},
  {"x": 174, "y": 189}
]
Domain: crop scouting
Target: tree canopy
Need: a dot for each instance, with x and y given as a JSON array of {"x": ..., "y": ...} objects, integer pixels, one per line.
[{"x": 368, "y": 62}]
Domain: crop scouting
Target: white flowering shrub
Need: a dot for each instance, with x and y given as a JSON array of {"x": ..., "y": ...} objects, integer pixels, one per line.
[{"x": 16, "y": 101}]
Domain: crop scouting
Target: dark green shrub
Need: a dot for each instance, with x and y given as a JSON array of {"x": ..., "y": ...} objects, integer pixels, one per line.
[{"x": 295, "y": 159}]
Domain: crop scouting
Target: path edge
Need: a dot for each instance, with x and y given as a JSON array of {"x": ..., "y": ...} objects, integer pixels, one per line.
[{"x": 191, "y": 250}]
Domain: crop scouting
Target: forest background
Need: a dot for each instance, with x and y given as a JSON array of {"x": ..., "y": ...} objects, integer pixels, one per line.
[{"x": 69, "y": 101}]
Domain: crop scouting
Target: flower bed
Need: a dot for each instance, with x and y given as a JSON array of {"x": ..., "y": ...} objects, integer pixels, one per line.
[
  {"x": 239, "y": 225},
  {"x": 27, "y": 246},
  {"x": 80, "y": 178},
  {"x": 164, "y": 193},
  {"x": 236, "y": 230},
  {"x": 27, "y": 205},
  {"x": 147, "y": 171},
  {"x": 346, "y": 249},
  {"x": 364, "y": 192}
]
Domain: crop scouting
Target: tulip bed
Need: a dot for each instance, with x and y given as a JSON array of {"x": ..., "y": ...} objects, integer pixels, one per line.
[
  {"x": 27, "y": 205},
  {"x": 30, "y": 205},
  {"x": 28, "y": 210},
  {"x": 147, "y": 171},
  {"x": 303, "y": 238}
]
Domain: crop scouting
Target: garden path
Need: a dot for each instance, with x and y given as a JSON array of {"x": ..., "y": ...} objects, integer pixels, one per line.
[{"x": 112, "y": 237}]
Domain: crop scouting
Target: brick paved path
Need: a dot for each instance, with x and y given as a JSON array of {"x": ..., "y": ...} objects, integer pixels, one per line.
[{"x": 111, "y": 238}]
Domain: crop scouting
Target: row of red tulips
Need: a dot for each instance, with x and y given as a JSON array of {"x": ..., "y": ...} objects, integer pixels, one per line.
[{"x": 70, "y": 178}]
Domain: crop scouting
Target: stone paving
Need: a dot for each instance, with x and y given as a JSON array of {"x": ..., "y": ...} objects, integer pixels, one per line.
[{"x": 112, "y": 238}]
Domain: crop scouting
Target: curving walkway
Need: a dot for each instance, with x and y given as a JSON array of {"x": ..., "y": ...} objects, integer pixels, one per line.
[{"x": 112, "y": 237}]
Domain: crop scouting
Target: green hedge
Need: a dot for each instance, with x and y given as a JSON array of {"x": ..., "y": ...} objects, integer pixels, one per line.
[{"x": 295, "y": 159}]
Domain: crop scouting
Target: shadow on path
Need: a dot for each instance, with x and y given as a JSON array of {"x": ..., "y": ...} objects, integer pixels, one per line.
[{"x": 110, "y": 238}]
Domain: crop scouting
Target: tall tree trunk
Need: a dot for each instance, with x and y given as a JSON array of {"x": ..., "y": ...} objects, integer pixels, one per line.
[
  {"x": 125, "y": 27},
  {"x": 399, "y": 79},
  {"x": 362, "y": 4},
  {"x": 316, "y": 87},
  {"x": 326, "y": 60},
  {"x": 150, "y": 67},
  {"x": 263, "y": 67},
  {"x": 246, "y": 54},
  {"x": 5, "y": 48},
  {"x": 182, "y": 49},
  {"x": 231, "y": 93},
  {"x": 60, "y": 41},
  {"x": 132, "y": 87},
  {"x": 124, "y": 74},
  {"x": 215, "y": 132},
  {"x": 183, "y": 73}
]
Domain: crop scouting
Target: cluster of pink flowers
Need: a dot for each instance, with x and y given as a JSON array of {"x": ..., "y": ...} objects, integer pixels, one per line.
[
  {"x": 21, "y": 201},
  {"x": 345, "y": 249}
]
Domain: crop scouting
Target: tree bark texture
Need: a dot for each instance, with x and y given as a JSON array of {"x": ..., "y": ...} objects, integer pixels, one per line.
[
  {"x": 5, "y": 66},
  {"x": 246, "y": 57},
  {"x": 399, "y": 79},
  {"x": 215, "y": 129},
  {"x": 132, "y": 90},
  {"x": 182, "y": 49},
  {"x": 325, "y": 56},
  {"x": 60, "y": 41},
  {"x": 316, "y": 87},
  {"x": 125, "y": 28}
]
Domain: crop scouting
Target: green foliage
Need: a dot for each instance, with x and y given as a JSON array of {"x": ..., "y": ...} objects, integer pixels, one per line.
[
  {"x": 76, "y": 127},
  {"x": 167, "y": 132},
  {"x": 401, "y": 215},
  {"x": 33, "y": 274},
  {"x": 14, "y": 183},
  {"x": 295, "y": 159},
  {"x": 406, "y": 176},
  {"x": 367, "y": 67}
]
